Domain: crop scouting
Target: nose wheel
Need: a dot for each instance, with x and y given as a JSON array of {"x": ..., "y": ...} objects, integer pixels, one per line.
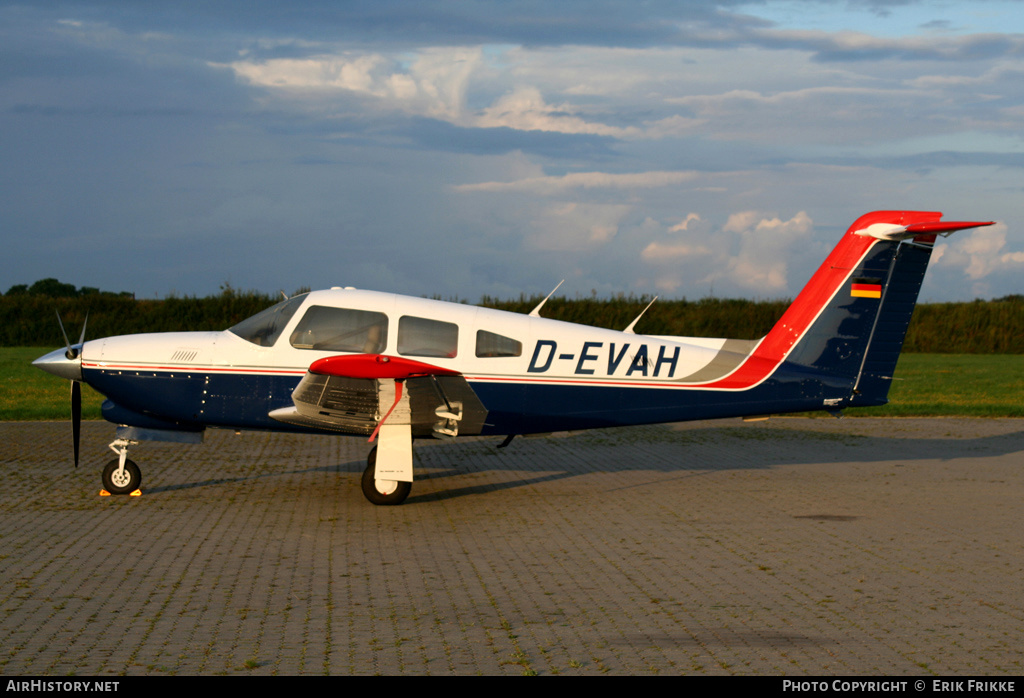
[
  {"x": 121, "y": 475},
  {"x": 118, "y": 480}
]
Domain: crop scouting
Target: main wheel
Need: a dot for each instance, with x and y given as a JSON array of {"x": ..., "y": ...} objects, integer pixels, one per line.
[
  {"x": 125, "y": 483},
  {"x": 382, "y": 492}
]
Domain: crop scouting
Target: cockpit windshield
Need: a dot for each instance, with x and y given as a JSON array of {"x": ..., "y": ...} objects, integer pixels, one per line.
[{"x": 263, "y": 328}]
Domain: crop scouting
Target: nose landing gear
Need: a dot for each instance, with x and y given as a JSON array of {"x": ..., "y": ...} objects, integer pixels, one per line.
[{"x": 121, "y": 475}]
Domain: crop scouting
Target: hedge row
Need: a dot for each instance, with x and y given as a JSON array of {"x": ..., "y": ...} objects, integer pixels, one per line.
[
  {"x": 979, "y": 327},
  {"x": 32, "y": 320}
]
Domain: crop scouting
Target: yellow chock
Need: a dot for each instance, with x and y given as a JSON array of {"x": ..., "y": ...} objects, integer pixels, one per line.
[{"x": 136, "y": 493}]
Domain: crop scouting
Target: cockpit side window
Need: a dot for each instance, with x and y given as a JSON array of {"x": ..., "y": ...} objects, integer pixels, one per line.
[
  {"x": 489, "y": 344},
  {"x": 419, "y": 336},
  {"x": 263, "y": 328},
  {"x": 341, "y": 329}
]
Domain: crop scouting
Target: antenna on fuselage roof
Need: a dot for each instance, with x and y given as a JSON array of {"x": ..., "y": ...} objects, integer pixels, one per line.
[
  {"x": 629, "y": 330},
  {"x": 536, "y": 311}
]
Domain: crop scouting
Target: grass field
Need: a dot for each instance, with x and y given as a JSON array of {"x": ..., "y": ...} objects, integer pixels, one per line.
[
  {"x": 926, "y": 385},
  {"x": 954, "y": 385}
]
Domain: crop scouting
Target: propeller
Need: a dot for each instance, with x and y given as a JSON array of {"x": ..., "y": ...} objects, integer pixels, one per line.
[
  {"x": 76, "y": 416},
  {"x": 73, "y": 352}
]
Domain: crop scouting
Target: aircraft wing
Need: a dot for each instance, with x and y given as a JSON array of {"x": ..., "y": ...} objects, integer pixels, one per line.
[{"x": 357, "y": 393}]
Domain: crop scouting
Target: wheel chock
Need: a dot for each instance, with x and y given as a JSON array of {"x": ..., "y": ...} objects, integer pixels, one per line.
[{"x": 104, "y": 493}]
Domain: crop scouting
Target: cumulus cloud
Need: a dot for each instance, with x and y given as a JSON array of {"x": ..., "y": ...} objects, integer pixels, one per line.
[
  {"x": 751, "y": 251},
  {"x": 753, "y": 221},
  {"x": 584, "y": 180},
  {"x": 817, "y": 103},
  {"x": 980, "y": 253},
  {"x": 525, "y": 109},
  {"x": 576, "y": 226},
  {"x": 315, "y": 72},
  {"x": 434, "y": 84},
  {"x": 662, "y": 252},
  {"x": 685, "y": 223},
  {"x": 682, "y": 251},
  {"x": 766, "y": 244}
]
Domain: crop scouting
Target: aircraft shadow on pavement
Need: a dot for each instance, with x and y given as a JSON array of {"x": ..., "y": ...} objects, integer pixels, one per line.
[{"x": 688, "y": 452}]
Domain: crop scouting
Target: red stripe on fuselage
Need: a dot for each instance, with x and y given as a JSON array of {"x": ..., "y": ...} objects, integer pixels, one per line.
[{"x": 190, "y": 368}]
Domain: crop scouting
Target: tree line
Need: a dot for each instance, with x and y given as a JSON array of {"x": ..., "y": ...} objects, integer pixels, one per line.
[{"x": 28, "y": 318}]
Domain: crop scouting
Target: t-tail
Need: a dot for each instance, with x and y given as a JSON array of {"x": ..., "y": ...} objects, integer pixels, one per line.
[{"x": 848, "y": 324}]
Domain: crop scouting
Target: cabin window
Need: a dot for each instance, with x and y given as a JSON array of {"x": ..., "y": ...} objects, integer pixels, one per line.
[
  {"x": 263, "y": 328},
  {"x": 489, "y": 344},
  {"x": 341, "y": 329},
  {"x": 419, "y": 336}
]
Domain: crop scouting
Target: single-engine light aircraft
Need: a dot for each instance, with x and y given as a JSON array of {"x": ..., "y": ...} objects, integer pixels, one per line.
[{"x": 395, "y": 368}]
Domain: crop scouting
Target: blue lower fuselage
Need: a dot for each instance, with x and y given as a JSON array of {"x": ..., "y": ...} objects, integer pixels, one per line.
[{"x": 193, "y": 400}]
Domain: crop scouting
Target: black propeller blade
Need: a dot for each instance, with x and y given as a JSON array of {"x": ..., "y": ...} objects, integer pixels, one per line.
[
  {"x": 76, "y": 416},
  {"x": 76, "y": 386}
]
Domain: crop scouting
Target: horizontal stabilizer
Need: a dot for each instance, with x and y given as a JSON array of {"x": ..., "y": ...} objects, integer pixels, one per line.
[
  {"x": 945, "y": 227},
  {"x": 889, "y": 231}
]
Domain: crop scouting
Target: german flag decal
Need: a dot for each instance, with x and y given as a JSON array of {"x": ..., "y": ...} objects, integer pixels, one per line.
[{"x": 866, "y": 288}]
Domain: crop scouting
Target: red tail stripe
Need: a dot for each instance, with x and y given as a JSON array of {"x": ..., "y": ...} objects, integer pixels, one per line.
[{"x": 837, "y": 267}]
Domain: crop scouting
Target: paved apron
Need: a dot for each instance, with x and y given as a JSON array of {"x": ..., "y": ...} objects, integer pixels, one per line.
[{"x": 794, "y": 546}]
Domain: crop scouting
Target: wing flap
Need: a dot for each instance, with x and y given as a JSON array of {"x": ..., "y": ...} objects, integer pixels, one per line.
[{"x": 352, "y": 394}]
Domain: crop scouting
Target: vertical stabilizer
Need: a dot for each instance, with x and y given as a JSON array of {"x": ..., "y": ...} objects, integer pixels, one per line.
[
  {"x": 848, "y": 323},
  {"x": 893, "y": 318},
  {"x": 845, "y": 329}
]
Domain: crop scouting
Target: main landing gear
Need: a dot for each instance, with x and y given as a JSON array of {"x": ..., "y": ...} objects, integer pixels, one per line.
[
  {"x": 382, "y": 492},
  {"x": 121, "y": 475}
]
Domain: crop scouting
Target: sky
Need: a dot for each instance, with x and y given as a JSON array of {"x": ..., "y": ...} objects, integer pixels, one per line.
[{"x": 462, "y": 148}]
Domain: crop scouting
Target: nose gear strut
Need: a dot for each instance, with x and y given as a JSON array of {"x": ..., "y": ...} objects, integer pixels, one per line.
[{"x": 121, "y": 475}]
